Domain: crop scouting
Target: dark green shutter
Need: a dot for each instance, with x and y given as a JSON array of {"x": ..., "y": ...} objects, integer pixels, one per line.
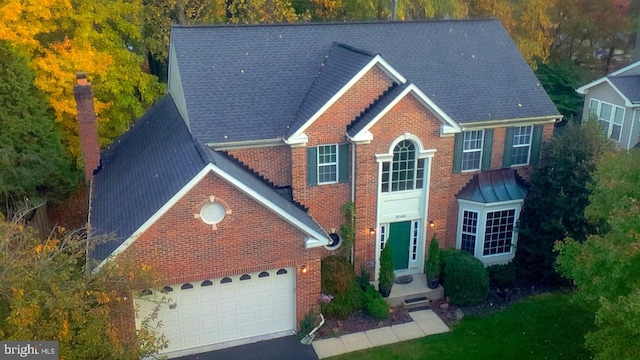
[
  {"x": 536, "y": 143},
  {"x": 508, "y": 146},
  {"x": 312, "y": 166},
  {"x": 457, "y": 153},
  {"x": 487, "y": 146},
  {"x": 343, "y": 163}
]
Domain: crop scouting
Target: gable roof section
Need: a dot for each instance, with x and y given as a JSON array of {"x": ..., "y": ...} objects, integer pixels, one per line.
[
  {"x": 140, "y": 172},
  {"x": 339, "y": 67},
  {"x": 149, "y": 168},
  {"x": 494, "y": 186},
  {"x": 625, "y": 82},
  {"x": 247, "y": 83},
  {"x": 357, "y": 131}
]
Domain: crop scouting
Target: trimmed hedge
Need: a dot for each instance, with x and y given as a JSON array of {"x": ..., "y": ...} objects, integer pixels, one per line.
[
  {"x": 502, "y": 276},
  {"x": 465, "y": 280},
  {"x": 375, "y": 306}
]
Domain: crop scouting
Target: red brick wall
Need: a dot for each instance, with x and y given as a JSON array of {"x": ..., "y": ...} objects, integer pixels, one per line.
[
  {"x": 324, "y": 201},
  {"x": 180, "y": 248},
  {"x": 274, "y": 163}
]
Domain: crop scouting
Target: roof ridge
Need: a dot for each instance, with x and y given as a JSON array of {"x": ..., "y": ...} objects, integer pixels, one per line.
[
  {"x": 354, "y": 49},
  {"x": 330, "y": 23}
]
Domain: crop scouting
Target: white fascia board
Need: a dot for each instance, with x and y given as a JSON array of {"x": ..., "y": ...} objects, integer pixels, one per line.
[
  {"x": 448, "y": 125},
  {"x": 626, "y": 68},
  {"x": 377, "y": 60},
  {"x": 299, "y": 140},
  {"x": 627, "y": 102},
  {"x": 314, "y": 236},
  {"x": 510, "y": 122},
  {"x": 249, "y": 144},
  {"x": 584, "y": 89}
]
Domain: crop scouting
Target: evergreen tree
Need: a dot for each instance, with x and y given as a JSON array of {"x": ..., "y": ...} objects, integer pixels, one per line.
[
  {"x": 559, "y": 193},
  {"x": 34, "y": 165}
]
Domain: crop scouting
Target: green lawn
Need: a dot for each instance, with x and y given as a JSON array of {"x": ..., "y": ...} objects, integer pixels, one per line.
[{"x": 545, "y": 326}]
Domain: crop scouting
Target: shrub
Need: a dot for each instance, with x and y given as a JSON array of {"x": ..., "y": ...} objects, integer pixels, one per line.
[
  {"x": 465, "y": 279},
  {"x": 337, "y": 275},
  {"x": 386, "y": 276},
  {"x": 377, "y": 308},
  {"x": 502, "y": 276},
  {"x": 363, "y": 279},
  {"x": 339, "y": 280},
  {"x": 432, "y": 265}
]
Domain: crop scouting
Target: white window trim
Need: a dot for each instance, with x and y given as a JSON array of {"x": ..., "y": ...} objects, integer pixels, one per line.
[
  {"x": 523, "y": 145},
  {"x": 336, "y": 164},
  {"x": 462, "y": 169},
  {"x": 482, "y": 210},
  {"x": 421, "y": 153},
  {"x": 612, "y": 118}
]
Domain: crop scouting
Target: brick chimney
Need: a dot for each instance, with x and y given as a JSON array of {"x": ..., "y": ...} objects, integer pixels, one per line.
[{"x": 87, "y": 125}]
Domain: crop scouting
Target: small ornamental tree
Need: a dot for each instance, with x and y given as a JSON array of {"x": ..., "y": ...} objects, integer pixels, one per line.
[
  {"x": 47, "y": 295},
  {"x": 432, "y": 265}
]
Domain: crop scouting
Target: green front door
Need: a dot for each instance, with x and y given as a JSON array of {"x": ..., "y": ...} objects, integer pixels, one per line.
[{"x": 399, "y": 238}]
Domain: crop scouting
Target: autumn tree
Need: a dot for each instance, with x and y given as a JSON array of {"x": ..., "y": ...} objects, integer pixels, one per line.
[
  {"x": 559, "y": 193},
  {"x": 34, "y": 165},
  {"x": 582, "y": 27},
  {"x": 102, "y": 38},
  {"x": 46, "y": 294},
  {"x": 605, "y": 267}
]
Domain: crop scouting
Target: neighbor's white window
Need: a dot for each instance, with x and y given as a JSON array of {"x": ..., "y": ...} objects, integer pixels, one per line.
[
  {"x": 472, "y": 150},
  {"x": 327, "y": 164},
  {"x": 610, "y": 116}
]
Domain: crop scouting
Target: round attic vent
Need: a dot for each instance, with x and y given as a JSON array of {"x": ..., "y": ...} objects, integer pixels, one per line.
[{"x": 212, "y": 213}]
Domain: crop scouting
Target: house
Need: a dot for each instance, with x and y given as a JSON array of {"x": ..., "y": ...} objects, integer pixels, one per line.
[
  {"x": 615, "y": 101},
  {"x": 230, "y": 187}
]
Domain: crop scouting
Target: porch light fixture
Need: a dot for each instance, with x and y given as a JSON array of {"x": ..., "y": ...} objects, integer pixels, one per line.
[
  {"x": 431, "y": 223},
  {"x": 304, "y": 269},
  {"x": 372, "y": 231}
]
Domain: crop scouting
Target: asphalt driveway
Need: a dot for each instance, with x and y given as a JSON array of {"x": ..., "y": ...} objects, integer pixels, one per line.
[{"x": 288, "y": 348}]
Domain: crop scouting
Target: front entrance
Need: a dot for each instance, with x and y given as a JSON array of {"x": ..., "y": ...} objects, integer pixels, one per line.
[{"x": 400, "y": 240}]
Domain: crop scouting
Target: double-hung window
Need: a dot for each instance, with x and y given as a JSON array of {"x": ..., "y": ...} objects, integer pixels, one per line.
[
  {"x": 472, "y": 150},
  {"x": 327, "y": 164},
  {"x": 521, "y": 145},
  {"x": 610, "y": 116}
]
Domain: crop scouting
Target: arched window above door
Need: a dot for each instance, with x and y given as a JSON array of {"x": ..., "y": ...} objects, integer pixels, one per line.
[{"x": 405, "y": 171}]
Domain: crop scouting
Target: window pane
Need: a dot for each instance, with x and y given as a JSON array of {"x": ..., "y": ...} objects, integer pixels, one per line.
[
  {"x": 472, "y": 150},
  {"x": 403, "y": 171},
  {"x": 498, "y": 233},
  {"x": 615, "y": 132},
  {"x": 605, "y": 112},
  {"x": 327, "y": 164},
  {"x": 469, "y": 228}
]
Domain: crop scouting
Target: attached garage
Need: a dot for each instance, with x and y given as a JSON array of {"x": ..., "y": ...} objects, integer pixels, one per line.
[{"x": 217, "y": 313}]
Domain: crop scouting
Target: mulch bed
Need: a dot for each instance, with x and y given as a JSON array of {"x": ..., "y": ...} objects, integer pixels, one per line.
[
  {"x": 359, "y": 321},
  {"x": 497, "y": 300}
]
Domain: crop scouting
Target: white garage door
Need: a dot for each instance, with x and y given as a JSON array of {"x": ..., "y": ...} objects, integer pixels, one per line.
[{"x": 217, "y": 313}]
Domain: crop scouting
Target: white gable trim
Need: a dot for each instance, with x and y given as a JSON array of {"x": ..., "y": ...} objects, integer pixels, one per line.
[
  {"x": 448, "y": 125},
  {"x": 297, "y": 137},
  {"x": 314, "y": 239},
  {"x": 585, "y": 90}
]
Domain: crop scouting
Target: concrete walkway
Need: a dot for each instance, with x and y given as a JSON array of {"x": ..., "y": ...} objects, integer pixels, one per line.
[{"x": 425, "y": 322}]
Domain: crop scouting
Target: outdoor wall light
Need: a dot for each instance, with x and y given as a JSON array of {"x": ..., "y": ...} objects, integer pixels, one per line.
[
  {"x": 372, "y": 231},
  {"x": 431, "y": 223},
  {"x": 303, "y": 269}
]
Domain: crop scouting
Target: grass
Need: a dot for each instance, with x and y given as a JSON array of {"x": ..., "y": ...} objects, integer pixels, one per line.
[{"x": 544, "y": 326}]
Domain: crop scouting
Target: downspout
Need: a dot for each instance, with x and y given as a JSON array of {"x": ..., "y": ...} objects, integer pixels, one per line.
[
  {"x": 86, "y": 250},
  {"x": 353, "y": 189},
  {"x": 394, "y": 5}
]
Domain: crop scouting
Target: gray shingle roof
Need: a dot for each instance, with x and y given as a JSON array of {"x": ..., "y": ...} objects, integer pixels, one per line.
[
  {"x": 144, "y": 168},
  {"x": 628, "y": 85},
  {"x": 140, "y": 172},
  {"x": 248, "y": 82}
]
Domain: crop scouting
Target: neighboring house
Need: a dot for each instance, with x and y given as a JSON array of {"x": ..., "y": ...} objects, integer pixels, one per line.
[
  {"x": 230, "y": 187},
  {"x": 615, "y": 101}
]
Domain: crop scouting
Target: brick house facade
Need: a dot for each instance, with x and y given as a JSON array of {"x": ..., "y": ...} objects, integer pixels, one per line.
[{"x": 230, "y": 187}]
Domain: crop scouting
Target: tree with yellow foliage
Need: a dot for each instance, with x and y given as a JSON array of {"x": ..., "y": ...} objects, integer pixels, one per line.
[
  {"x": 47, "y": 295},
  {"x": 100, "y": 37}
]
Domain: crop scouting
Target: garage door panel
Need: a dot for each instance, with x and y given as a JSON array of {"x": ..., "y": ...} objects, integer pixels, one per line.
[{"x": 226, "y": 309}]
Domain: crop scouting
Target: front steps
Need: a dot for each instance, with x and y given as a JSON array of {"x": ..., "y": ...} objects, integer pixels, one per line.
[{"x": 415, "y": 294}]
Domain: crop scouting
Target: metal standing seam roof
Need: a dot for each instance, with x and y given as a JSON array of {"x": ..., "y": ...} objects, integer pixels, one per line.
[
  {"x": 628, "y": 85},
  {"x": 246, "y": 83},
  {"x": 144, "y": 168},
  {"x": 494, "y": 186}
]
